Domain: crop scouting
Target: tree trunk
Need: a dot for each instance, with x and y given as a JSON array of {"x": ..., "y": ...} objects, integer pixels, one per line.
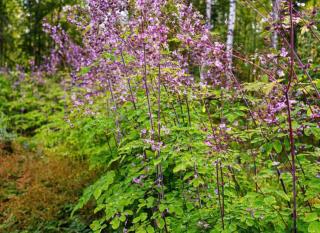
[
  {"x": 275, "y": 17},
  {"x": 203, "y": 69},
  {"x": 230, "y": 37},
  {"x": 208, "y": 13},
  {"x": 2, "y": 16}
]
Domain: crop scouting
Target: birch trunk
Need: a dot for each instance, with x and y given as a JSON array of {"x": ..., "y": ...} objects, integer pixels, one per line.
[
  {"x": 208, "y": 13},
  {"x": 124, "y": 15},
  {"x": 230, "y": 37},
  {"x": 203, "y": 70},
  {"x": 2, "y": 9},
  {"x": 275, "y": 17}
]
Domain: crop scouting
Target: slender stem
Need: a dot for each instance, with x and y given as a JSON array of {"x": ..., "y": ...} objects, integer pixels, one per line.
[
  {"x": 181, "y": 109},
  {"x": 188, "y": 110},
  {"x": 292, "y": 145},
  {"x": 219, "y": 194},
  {"x": 173, "y": 107},
  {"x": 255, "y": 169},
  {"x": 195, "y": 164},
  {"x": 159, "y": 167},
  {"x": 279, "y": 213},
  {"x": 237, "y": 186},
  {"x": 118, "y": 138},
  {"x": 293, "y": 166},
  {"x": 281, "y": 180},
  {"x": 222, "y": 191},
  {"x": 147, "y": 91},
  {"x": 129, "y": 84}
]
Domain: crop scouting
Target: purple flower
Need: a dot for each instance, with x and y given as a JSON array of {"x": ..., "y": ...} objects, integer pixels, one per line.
[
  {"x": 138, "y": 180},
  {"x": 284, "y": 52}
]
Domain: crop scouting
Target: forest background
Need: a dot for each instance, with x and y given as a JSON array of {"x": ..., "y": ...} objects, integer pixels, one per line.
[{"x": 217, "y": 143}]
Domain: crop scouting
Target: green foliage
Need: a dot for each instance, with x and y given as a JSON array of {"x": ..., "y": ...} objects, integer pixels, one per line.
[
  {"x": 4, "y": 134},
  {"x": 127, "y": 196},
  {"x": 29, "y": 103}
]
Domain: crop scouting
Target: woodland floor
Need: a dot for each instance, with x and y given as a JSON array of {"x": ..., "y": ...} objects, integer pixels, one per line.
[{"x": 39, "y": 190}]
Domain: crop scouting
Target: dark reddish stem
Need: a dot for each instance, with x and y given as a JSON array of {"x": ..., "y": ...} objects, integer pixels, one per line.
[
  {"x": 293, "y": 166},
  {"x": 222, "y": 191},
  {"x": 159, "y": 167},
  {"x": 118, "y": 138},
  {"x": 129, "y": 84},
  {"x": 145, "y": 82},
  {"x": 219, "y": 194}
]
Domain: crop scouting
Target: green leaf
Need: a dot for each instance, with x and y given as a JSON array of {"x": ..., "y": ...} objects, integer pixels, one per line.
[
  {"x": 197, "y": 182},
  {"x": 99, "y": 207},
  {"x": 84, "y": 70},
  {"x": 269, "y": 200},
  {"x": 97, "y": 193},
  {"x": 287, "y": 144},
  {"x": 304, "y": 29},
  {"x": 266, "y": 148},
  {"x": 277, "y": 146},
  {"x": 162, "y": 207},
  {"x": 122, "y": 218},
  {"x": 203, "y": 108},
  {"x": 249, "y": 222},
  {"x": 283, "y": 195},
  {"x": 115, "y": 223},
  {"x": 128, "y": 212},
  {"x": 179, "y": 167},
  {"x": 161, "y": 223},
  {"x": 266, "y": 88},
  {"x": 231, "y": 117},
  {"x": 150, "y": 229},
  {"x": 95, "y": 225},
  {"x": 109, "y": 56},
  {"x": 316, "y": 132},
  {"x": 141, "y": 230},
  {"x": 95, "y": 190},
  {"x": 87, "y": 194},
  {"x": 114, "y": 160},
  {"x": 150, "y": 201},
  {"x": 143, "y": 217},
  {"x": 157, "y": 161},
  {"x": 136, "y": 219},
  {"x": 314, "y": 227},
  {"x": 189, "y": 206},
  {"x": 308, "y": 132},
  {"x": 310, "y": 217},
  {"x": 188, "y": 175}
]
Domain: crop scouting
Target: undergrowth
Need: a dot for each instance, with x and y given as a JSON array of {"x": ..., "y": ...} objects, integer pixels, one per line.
[{"x": 38, "y": 192}]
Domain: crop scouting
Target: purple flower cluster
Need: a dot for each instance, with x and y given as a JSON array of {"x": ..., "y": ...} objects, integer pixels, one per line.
[{"x": 118, "y": 38}]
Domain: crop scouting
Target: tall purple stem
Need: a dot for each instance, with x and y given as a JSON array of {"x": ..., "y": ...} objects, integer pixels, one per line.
[{"x": 292, "y": 146}]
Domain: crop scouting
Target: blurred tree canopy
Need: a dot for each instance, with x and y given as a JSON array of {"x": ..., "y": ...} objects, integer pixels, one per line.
[
  {"x": 23, "y": 42},
  {"x": 21, "y": 36}
]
